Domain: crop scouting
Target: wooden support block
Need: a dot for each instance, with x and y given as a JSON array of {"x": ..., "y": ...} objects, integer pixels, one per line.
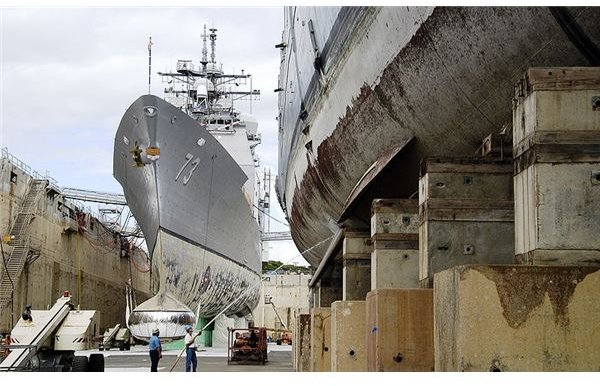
[
  {"x": 400, "y": 330},
  {"x": 348, "y": 340},
  {"x": 517, "y": 318},
  {"x": 557, "y": 146}
]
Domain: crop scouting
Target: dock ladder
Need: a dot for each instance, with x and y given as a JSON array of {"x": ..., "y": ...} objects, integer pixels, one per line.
[{"x": 19, "y": 240}]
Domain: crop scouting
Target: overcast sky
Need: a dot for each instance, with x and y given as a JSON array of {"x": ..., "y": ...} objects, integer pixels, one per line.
[{"x": 69, "y": 74}]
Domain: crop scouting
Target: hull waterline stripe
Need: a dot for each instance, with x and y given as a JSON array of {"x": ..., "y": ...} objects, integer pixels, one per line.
[{"x": 190, "y": 241}]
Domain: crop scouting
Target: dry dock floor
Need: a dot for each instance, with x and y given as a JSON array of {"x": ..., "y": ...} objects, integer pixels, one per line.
[{"x": 210, "y": 360}]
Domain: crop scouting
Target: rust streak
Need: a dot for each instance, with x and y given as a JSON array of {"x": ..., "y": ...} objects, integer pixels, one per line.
[{"x": 522, "y": 289}]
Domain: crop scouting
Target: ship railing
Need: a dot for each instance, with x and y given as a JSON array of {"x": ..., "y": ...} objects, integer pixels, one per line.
[{"x": 27, "y": 169}]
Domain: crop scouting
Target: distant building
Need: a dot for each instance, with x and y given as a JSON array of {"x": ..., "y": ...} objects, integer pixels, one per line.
[{"x": 283, "y": 298}]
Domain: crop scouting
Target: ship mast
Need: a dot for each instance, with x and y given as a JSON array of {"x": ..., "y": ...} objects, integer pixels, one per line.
[
  {"x": 204, "y": 106},
  {"x": 211, "y": 77},
  {"x": 204, "y": 60},
  {"x": 213, "y": 39}
]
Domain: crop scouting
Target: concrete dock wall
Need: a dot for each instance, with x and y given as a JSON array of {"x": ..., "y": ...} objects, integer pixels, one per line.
[{"x": 72, "y": 253}]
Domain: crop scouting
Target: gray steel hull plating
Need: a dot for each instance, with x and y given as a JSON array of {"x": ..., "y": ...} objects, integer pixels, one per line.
[{"x": 198, "y": 226}]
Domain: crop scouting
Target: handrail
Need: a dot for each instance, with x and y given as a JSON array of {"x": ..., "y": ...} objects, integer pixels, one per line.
[
  {"x": 26, "y": 168},
  {"x": 52, "y": 183}
]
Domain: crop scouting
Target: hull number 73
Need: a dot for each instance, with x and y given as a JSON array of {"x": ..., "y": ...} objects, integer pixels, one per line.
[{"x": 194, "y": 163}]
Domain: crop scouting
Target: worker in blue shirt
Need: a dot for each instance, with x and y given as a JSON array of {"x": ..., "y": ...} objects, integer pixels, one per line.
[{"x": 155, "y": 350}]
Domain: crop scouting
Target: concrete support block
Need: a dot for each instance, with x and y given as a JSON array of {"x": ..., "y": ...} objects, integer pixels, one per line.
[
  {"x": 356, "y": 244},
  {"x": 400, "y": 330},
  {"x": 394, "y": 216},
  {"x": 356, "y": 272},
  {"x": 472, "y": 178},
  {"x": 356, "y": 278},
  {"x": 395, "y": 239},
  {"x": 557, "y": 209},
  {"x": 517, "y": 318},
  {"x": 549, "y": 99},
  {"x": 467, "y": 240},
  {"x": 301, "y": 343},
  {"x": 394, "y": 268},
  {"x": 466, "y": 213},
  {"x": 320, "y": 339},
  {"x": 327, "y": 295},
  {"x": 348, "y": 340},
  {"x": 556, "y": 143}
]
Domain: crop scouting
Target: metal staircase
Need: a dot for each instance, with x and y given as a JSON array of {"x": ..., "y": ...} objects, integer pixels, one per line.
[{"x": 20, "y": 241}]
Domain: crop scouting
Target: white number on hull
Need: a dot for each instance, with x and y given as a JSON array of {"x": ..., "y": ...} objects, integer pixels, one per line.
[{"x": 195, "y": 164}]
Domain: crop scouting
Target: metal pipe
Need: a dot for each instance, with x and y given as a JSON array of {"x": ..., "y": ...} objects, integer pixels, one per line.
[{"x": 332, "y": 250}]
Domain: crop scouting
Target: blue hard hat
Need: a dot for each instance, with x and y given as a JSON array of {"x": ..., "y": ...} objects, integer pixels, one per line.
[{"x": 188, "y": 327}]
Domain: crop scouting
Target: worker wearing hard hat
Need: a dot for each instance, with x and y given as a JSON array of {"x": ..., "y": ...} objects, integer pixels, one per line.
[
  {"x": 191, "y": 362},
  {"x": 155, "y": 350}
]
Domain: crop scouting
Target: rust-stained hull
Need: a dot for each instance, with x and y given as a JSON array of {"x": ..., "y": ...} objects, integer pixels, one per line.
[{"x": 442, "y": 75}]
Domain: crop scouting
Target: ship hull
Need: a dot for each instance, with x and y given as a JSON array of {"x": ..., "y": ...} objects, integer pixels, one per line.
[
  {"x": 189, "y": 203},
  {"x": 430, "y": 81},
  {"x": 205, "y": 281}
]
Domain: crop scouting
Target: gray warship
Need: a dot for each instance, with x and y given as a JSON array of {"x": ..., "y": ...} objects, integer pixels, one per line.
[{"x": 187, "y": 167}]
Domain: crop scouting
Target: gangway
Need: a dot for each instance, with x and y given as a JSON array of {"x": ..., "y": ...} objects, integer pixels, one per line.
[
  {"x": 276, "y": 236},
  {"x": 94, "y": 196}
]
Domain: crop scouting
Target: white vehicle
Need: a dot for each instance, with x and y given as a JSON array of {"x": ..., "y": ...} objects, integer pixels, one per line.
[
  {"x": 48, "y": 342},
  {"x": 116, "y": 337}
]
